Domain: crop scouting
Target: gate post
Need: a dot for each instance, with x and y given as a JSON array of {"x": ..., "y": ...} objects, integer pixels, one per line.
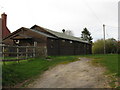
[
  {"x": 3, "y": 54},
  {"x": 35, "y": 44},
  {"x": 17, "y": 53},
  {"x": 26, "y": 52}
]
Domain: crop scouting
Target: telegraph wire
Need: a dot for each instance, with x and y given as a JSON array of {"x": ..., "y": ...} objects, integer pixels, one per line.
[
  {"x": 107, "y": 33},
  {"x": 92, "y": 12},
  {"x": 1, "y": 9},
  {"x": 99, "y": 20},
  {"x": 113, "y": 26}
]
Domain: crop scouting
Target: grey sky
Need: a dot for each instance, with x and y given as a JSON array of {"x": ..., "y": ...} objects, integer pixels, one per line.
[{"x": 71, "y": 15}]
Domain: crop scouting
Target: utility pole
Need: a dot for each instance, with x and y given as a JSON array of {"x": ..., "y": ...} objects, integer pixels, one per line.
[{"x": 104, "y": 37}]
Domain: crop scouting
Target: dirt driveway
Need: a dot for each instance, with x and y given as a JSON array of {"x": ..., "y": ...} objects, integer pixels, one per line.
[{"x": 79, "y": 74}]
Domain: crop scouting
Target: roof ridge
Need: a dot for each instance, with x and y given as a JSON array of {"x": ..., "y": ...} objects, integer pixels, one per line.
[{"x": 62, "y": 35}]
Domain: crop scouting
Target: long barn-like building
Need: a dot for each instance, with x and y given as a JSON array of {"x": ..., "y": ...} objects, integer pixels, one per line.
[{"x": 51, "y": 42}]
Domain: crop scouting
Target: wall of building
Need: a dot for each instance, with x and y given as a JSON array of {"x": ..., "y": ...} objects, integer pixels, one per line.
[
  {"x": 52, "y": 46},
  {"x": 0, "y": 30},
  {"x": 67, "y": 47},
  {"x": 79, "y": 48}
]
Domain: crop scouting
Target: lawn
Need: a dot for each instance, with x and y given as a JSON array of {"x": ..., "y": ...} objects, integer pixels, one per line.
[{"x": 16, "y": 73}]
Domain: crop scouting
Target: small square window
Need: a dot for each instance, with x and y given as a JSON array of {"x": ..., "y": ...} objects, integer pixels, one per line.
[
  {"x": 51, "y": 46},
  {"x": 52, "y": 40},
  {"x": 63, "y": 40},
  {"x": 71, "y": 42}
]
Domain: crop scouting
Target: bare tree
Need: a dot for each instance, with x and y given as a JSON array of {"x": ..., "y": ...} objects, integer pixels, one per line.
[{"x": 69, "y": 32}]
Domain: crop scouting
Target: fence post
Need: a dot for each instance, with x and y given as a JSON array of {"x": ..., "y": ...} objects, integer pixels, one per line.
[
  {"x": 26, "y": 52},
  {"x": 3, "y": 56},
  {"x": 34, "y": 51},
  {"x": 35, "y": 44},
  {"x": 17, "y": 53}
]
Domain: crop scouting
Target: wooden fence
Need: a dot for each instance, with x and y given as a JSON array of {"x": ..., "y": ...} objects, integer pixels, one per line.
[{"x": 17, "y": 53}]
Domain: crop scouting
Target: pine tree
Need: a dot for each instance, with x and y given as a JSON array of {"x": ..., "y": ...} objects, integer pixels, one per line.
[{"x": 86, "y": 35}]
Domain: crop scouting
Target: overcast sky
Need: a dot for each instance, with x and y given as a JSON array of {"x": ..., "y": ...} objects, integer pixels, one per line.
[{"x": 71, "y": 15}]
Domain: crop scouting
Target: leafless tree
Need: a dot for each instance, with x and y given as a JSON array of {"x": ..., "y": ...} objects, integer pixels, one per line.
[{"x": 69, "y": 32}]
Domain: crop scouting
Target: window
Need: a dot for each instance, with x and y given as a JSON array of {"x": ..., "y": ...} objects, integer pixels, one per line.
[
  {"x": 52, "y": 40},
  {"x": 51, "y": 46},
  {"x": 63, "y": 40},
  {"x": 71, "y": 42}
]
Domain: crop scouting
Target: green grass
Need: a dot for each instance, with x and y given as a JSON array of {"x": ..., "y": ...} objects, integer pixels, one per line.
[
  {"x": 111, "y": 63},
  {"x": 12, "y": 58},
  {"x": 16, "y": 73}
]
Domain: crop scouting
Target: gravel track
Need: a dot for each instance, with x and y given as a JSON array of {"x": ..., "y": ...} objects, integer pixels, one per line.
[{"x": 79, "y": 74}]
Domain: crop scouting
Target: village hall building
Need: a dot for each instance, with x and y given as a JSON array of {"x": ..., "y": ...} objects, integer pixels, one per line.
[
  {"x": 47, "y": 42},
  {"x": 50, "y": 42}
]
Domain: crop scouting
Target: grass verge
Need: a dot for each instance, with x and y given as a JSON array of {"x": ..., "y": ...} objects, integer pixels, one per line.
[
  {"x": 14, "y": 73},
  {"x": 110, "y": 62}
]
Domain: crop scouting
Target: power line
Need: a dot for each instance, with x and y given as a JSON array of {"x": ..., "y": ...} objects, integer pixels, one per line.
[
  {"x": 107, "y": 33},
  {"x": 113, "y": 26},
  {"x": 99, "y": 20},
  {"x": 92, "y": 12},
  {"x": 1, "y": 9}
]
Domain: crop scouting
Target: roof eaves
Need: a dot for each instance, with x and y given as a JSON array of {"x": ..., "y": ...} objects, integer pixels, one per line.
[{"x": 14, "y": 33}]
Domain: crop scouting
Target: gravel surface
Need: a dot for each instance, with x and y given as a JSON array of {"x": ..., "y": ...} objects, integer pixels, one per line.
[{"x": 79, "y": 74}]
